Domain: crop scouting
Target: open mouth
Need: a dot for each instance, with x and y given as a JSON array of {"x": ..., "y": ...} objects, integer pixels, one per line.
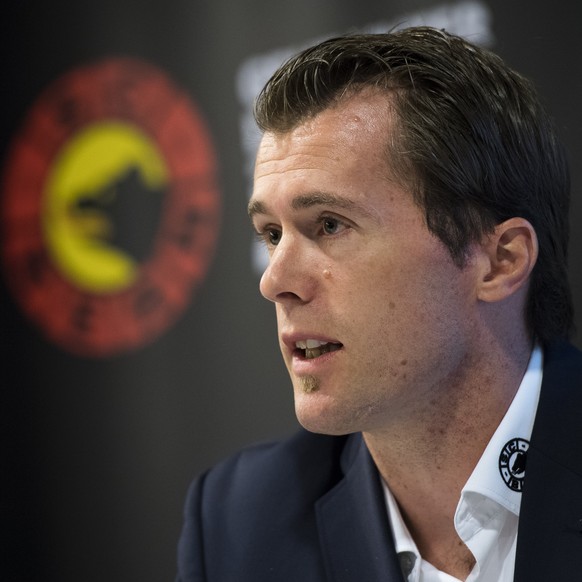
[{"x": 311, "y": 348}]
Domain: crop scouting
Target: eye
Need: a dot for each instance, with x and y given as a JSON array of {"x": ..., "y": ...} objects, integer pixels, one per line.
[
  {"x": 273, "y": 236},
  {"x": 331, "y": 225}
]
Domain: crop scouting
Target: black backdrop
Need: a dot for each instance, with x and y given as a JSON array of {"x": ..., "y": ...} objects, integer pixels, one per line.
[{"x": 98, "y": 447}]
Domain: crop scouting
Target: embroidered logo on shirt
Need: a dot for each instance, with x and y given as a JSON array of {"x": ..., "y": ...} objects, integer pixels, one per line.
[{"x": 512, "y": 461}]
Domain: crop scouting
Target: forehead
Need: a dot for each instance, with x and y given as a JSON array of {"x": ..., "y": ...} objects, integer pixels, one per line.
[
  {"x": 355, "y": 119},
  {"x": 345, "y": 146}
]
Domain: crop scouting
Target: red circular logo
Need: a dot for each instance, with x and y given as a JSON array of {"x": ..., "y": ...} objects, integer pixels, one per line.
[{"x": 110, "y": 207}]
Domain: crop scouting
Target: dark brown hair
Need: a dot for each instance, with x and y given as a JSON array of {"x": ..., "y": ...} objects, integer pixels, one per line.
[{"x": 474, "y": 142}]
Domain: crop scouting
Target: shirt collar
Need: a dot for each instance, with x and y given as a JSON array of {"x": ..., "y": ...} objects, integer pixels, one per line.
[
  {"x": 500, "y": 472},
  {"x": 487, "y": 478},
  {"x": 403, "y": 543}
]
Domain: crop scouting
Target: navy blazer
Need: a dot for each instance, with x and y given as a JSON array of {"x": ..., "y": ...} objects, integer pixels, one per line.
[{"x": 311, "y": 509}]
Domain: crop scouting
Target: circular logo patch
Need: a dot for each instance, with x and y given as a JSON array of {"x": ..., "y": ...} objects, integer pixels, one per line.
[
  {"x": 110, "y": 207},
  {"x": 512, "y": 461}
]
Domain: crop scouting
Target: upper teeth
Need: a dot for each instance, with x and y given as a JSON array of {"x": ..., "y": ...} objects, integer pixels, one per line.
[{"x": 309, "y": 344}]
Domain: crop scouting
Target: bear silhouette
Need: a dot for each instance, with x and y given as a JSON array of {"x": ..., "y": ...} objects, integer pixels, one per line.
[{"x": 131, "y": 209}]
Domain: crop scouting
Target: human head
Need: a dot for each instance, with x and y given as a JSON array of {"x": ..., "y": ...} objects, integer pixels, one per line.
[{"x": 473, "y": 144}]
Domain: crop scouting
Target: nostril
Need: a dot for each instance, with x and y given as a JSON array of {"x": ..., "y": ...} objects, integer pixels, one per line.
[{"x": 287, "y": 296}]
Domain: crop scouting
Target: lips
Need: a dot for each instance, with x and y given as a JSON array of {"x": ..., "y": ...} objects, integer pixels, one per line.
[{"x": 310, "y": 349}]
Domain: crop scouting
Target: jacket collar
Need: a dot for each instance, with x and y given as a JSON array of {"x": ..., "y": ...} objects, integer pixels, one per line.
[
  {"x": 549, "y": 541},
  {"x": 353, "y": 526}
]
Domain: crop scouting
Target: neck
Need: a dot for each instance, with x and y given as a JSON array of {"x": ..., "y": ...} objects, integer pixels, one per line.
[{"x": 428, "y": 457}]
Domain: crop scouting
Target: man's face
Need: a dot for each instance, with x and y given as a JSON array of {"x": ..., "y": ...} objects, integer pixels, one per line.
[{"x": 374, "y": 317}]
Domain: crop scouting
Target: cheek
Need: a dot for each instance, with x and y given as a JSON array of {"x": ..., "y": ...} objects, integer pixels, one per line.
[{"x": 418, "y": 302}]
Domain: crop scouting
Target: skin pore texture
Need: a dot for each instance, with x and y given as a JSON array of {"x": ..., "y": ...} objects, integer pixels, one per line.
[{"x": 381, "y": 332}]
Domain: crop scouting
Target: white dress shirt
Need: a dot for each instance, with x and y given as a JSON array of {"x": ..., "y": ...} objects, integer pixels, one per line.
[{"x": 488, "y": 511}]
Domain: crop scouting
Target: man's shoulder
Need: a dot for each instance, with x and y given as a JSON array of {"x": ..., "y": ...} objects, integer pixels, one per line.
[
  {"x": 562, "y": 359},
  {"x": 304, "y": 463},
  {"x": 258, "y": 508},
  {"x": 557, "y": 428},
  {"x": 562, "y": 375}
]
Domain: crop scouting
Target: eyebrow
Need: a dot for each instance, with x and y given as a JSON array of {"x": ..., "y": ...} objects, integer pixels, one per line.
[{"x": 307, "y": 201}]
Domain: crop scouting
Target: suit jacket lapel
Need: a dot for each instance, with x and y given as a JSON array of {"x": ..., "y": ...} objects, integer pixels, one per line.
[
  {"x": 549, "y": 542},
  {"x": 353, "y": 525}
]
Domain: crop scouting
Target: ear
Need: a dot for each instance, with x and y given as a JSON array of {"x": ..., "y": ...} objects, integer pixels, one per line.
[{"x": 509, "y": 254}]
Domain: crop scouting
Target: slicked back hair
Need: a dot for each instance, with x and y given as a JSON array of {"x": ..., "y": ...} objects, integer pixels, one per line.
[{"x": 472, "y": 142}]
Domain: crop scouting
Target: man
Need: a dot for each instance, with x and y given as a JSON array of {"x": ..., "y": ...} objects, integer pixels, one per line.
[{"x": 413, "y": 199}]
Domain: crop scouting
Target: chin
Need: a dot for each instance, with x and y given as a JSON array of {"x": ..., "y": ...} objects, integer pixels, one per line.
[
  {"x": 324, "y": 428},
  {"x": 319, "y": 414}
]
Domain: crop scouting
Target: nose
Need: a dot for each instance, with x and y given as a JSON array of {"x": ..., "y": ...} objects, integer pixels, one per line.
[{"x": 289, "y": 277}]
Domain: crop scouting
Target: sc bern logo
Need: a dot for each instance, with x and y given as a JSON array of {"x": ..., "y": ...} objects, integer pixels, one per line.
[
  {"x": 512, "y": 463},
  {"x": 110, "y": 207}
]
